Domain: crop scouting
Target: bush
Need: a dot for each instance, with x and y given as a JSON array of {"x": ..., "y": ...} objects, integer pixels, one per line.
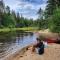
[
  {"x": 8, "y": 21},
  {"x": 54, "y": 22}
]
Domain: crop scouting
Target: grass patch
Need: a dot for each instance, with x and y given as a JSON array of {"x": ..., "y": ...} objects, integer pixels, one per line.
[{"x": 18, "y": 29}]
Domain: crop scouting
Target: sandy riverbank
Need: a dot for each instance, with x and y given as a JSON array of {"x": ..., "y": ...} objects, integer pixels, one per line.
[{"x": 51, "y": 53}]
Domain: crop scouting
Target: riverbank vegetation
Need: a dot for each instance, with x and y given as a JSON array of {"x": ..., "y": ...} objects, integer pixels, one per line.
[
  {"x": 11, "y": 19},
  {"x": 48, "y": 18},
  {"x": 27, "y": 29}
]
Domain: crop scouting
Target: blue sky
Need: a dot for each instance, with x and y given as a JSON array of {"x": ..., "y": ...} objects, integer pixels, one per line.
[{"x": 28, "y": 8}]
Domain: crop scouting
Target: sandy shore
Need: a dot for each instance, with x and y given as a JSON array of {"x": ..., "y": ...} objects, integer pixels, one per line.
[{"x": 51, "y": 53}]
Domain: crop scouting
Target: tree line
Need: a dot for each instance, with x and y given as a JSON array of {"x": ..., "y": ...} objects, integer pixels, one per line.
[
  {"x": 12, "y": 19},
  {"x": 50, "y": 17},
  {"x": 47, "y": 19}
]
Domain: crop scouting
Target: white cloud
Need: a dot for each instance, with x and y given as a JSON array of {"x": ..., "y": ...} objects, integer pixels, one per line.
[
  {"x": 28, "y": 10},
  {"x": 11, "y": 3},
  {"x": 31, "y": 6},
  {"x": 34, "y": 17},
  {"x": 43, "y": 6}
]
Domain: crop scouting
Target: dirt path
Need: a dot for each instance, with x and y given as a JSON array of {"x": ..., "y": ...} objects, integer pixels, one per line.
[{"x": 51, "y": 53}]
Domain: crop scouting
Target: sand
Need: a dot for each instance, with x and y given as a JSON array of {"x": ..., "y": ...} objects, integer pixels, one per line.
[{"x": 52, "y": 52}]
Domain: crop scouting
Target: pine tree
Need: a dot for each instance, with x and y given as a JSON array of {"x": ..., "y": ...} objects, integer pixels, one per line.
[
  {"x": 2, "y": 9},
  {"x": 40, "y": 12},
  {"x": 7, "y": 10},
  {"x": 51, "y": 6}
]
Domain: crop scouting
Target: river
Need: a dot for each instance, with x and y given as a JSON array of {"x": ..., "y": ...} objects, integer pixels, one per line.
[{"x": 13, "y": 41}]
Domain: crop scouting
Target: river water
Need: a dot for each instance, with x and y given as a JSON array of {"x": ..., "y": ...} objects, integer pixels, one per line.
[{"x": 13, "y": 41}]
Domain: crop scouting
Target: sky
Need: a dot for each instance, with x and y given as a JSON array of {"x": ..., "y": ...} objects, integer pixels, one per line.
[{"x": 28, "y": 8}]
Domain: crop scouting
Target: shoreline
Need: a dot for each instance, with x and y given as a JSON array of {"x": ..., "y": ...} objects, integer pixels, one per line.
[
  {"x": 53, "y": 51},
  {"x": 20, "y": 52}
]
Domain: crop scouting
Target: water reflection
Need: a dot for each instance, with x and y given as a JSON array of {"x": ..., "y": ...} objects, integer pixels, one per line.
[{"x": 12, "y": 41}]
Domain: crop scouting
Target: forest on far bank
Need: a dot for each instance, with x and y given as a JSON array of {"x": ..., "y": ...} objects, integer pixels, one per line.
[{"x": 47, "y": 19}]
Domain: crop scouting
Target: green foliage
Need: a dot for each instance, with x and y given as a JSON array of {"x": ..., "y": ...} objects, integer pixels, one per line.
[
  {"x": 11, "y": 19},
  {"x": 54, "y": 22},
  {"x": 51, "y": 6},
  {"x": 43, "y": 24},
  {"x": 52, "y": 16},
  {"x": 8, "y": 21}
]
